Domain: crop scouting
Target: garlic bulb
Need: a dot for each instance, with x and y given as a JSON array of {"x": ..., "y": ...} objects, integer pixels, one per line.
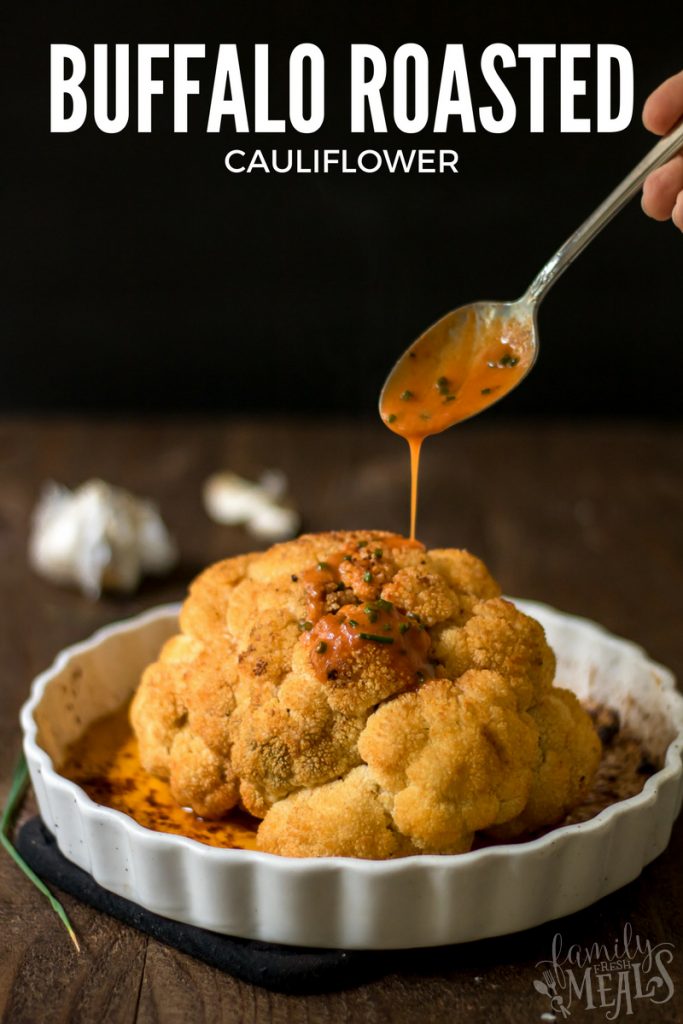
[
  {"x": 98, "y": 537},
  {"x": 233, "y": 501}
]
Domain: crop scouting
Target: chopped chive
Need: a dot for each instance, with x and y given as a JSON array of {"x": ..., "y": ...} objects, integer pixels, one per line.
[
  {"x": 362, "y": 544},
  {"x": 403, "y": 628},
  {"x": 322, "y": 566},
  {"x": 392, "y": 417},
  {"x": 405, "y": 396},
  {"x": 378, "y": 553},
  {"x": 509, "y": 360},
  {"x": 449, "y": 398},
  {"x": 367, "y": 577},
  {"x": 321, "y": 648},
  {"x": 486, "y": 391},
  {"x": 304, "y": 624},
  {"x": 442, "y": 385},
  {"x": 377, "y": 638},
  {"x": 353, "y": 624},
  {"x": 371, "y": 613},
  {"x": 20, "y": 782},
  {"x": 425, "y": 415},
  {"x": 382, "y": 605}
]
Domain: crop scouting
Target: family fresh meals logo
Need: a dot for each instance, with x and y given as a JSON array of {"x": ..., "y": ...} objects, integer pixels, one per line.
[{"x": 597, "y": 977}]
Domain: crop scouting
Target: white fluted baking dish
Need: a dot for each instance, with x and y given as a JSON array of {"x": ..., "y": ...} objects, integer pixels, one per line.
[{"x": 337, "y": 901}]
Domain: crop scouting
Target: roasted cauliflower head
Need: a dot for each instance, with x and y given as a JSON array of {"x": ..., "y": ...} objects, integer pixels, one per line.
[{"x": 365, "y": 697}]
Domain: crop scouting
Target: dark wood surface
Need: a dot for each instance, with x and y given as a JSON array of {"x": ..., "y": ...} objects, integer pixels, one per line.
[{"x": 584, "y": 516}]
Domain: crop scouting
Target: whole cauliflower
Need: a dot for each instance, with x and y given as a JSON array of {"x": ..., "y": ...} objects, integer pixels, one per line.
[{"x": 364, "y": 697}]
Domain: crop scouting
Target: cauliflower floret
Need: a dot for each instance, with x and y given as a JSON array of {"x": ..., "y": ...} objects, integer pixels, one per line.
[
  {"x": 499, "y": 637},
  {"x": 364, "y": 697},
  {"x": 346, "y": 818},
  {"x": 569, "y": 756},
  {"x": 291, "y": 741},
  {"x": 457, "y": 756},
  {"x": 204, "y": 612},
  {"x": 464, "y": 573},
  {"x": 179, "y": 714}
]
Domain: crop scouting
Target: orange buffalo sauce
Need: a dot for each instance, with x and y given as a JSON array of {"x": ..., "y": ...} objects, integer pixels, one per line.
[
  {"x": 105, "y": 763},
  {"x": 457, "y": 369}
]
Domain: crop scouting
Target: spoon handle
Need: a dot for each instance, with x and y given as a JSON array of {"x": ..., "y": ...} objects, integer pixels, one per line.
[{"x": 577, "y": 242}]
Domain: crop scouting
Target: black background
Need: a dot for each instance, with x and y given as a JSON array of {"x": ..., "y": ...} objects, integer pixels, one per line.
[{"x": 139, "y": 275}]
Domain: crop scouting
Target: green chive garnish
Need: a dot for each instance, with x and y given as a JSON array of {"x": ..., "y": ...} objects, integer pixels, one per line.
[
  {"x": 377, "y": 638},
  {"x": 378, "y": 553},
  {"x": 371, "y": 613},
  {"x": 486, "y": 391},
  {"x": 392, "y": 417},
  {"x": 367, "y": 577},
  {"x": 353, "y": 624},
  {"x": 16, "y": 795},
  {"x": 403, "y": 628},
  {"x": 442, "y": 385},
  {"x": 449, "y": 398},
  {"x": 405, "y": 396},
  {"x": 322, "y": 566},
  {"x": 321, "y": 648},
  {"x": 362, "y": 544},
  {"x": 304, "y": 624}
]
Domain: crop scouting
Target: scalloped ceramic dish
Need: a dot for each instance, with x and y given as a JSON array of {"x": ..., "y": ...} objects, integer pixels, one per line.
[{"x": 340, "y": 902}]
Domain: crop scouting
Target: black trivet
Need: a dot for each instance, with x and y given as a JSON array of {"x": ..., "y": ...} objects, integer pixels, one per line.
[{"x": 290, "y": 969}]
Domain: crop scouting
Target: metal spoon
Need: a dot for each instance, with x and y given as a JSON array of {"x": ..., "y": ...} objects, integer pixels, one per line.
[{"x": 465, "y": 334}]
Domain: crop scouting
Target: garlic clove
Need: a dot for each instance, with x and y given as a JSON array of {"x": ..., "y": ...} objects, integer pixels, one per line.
[{"x": 98, "y": 537}]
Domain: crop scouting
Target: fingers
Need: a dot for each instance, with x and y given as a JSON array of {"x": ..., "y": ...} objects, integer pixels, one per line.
[
  {"x": 664, "y": 106},
  {"x": 663, "y": 191},
  {"x": 677, "y": 215}
]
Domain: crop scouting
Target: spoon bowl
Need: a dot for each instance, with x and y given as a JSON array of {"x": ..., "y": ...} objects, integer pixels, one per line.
[{"x": 464, "y": 363}]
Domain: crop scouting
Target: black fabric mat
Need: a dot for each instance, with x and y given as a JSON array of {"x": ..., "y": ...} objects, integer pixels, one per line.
[{"x": 289, "y": 969}]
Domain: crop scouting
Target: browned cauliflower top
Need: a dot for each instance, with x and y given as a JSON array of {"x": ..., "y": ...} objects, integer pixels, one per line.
[{"x": 365, "y": 697}]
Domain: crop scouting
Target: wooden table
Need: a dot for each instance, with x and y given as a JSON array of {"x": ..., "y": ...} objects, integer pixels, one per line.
[{"x": 584, "y": 516}]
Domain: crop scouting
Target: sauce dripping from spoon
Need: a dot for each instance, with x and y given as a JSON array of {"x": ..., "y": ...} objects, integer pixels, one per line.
[{"x": 463, "y": 364}]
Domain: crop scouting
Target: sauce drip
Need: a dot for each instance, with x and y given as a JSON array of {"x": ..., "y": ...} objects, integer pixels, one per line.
[
  {"x": 458, "y": 368},
  {"x": 105, "y": 763}
]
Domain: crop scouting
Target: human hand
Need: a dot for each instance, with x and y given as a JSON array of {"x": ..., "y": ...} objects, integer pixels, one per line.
[{"x": 663, "y": 189}]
